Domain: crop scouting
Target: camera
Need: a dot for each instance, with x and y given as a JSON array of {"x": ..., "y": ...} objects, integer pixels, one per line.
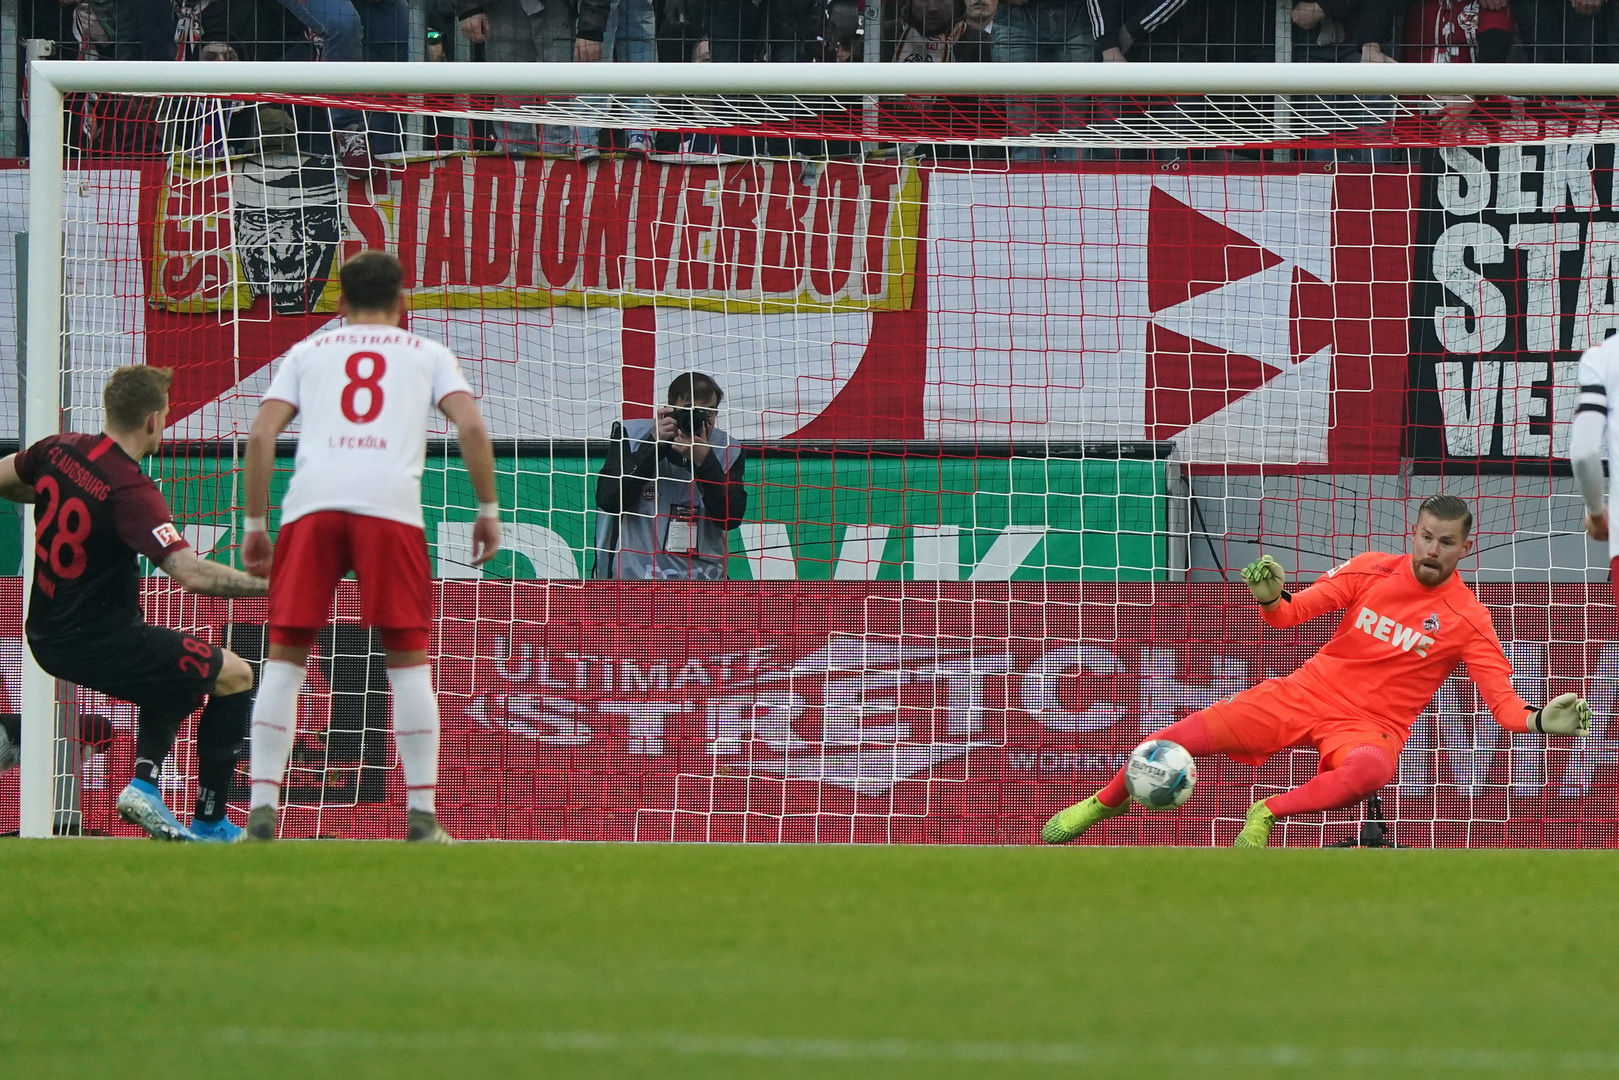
[{"x": 693, "y": 421}]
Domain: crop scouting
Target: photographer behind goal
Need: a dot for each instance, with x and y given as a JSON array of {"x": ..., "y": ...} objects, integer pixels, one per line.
[{"x": 670, "y": 490}]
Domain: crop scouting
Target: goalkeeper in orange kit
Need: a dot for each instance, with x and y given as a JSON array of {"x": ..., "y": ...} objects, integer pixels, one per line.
[{"x": 1410, "y": 621}]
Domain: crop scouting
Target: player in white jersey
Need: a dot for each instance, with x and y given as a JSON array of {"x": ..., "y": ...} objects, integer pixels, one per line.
[
  {"x": 1590, "y": 435},
  {"x": 355, "y": 503}
]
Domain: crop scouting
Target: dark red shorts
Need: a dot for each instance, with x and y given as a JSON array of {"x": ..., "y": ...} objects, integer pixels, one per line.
[
  {"x": 154, "y": 667},
  {"x": 389, "y": 558}
]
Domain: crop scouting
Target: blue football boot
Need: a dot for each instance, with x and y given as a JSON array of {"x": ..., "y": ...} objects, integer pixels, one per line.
[
  {"x": 141, "y": 804},
  {"x": 215, "y": 832}
]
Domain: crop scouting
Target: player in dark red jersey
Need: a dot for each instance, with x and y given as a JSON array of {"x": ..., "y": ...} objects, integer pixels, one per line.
[{"x": 94, "y": 512}]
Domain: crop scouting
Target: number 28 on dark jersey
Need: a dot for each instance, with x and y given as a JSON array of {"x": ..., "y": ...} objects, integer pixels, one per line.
[{"x": 94, "y": 512}]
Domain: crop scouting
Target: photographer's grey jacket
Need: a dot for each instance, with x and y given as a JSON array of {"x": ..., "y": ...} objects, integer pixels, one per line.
[{"x": 644, "y": 486}]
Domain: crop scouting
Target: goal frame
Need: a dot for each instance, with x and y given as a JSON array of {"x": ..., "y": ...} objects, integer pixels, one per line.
[{"x": 51, "y": 80}]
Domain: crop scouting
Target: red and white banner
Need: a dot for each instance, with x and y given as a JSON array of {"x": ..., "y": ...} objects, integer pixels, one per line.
[
  {"x": 1253, "y": 314},
  {"x": 953, "y": 713}
]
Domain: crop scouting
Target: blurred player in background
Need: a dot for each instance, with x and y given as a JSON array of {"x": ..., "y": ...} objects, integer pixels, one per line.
[
  {"x": 355, "y": 503},
  {"x": 1411, "y": 622},
  {"x": 94, "y": 512},
  {"x": 1589, "y": 436}
]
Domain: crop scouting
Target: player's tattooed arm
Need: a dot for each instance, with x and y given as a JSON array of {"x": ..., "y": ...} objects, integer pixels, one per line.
[
  {"x": 198, "y": 575},
  {"x": 11, "y": 485}
]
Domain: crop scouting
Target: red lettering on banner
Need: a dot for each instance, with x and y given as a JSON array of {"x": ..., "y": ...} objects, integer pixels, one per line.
[
  {"x": 194, "y": 239},
  {"x": 694, "y": 263},
  {"x": 837, "y": 204},
  {"x": 656, "y": 223},
  {"x": 494, "y": 192},
  {"x": 178, "y": 224},
  {"x": 446, "y": 227},
  {"x": 782, "y": 260},
  {"x": 736, "y": 241},
  {"x": 610, "y": 201},
  {"x": 181, "y": 277},
  {"x": 561, "y": 222},
  {"x": 739, "y": 229},
  {"x": 366, "y": 220},
  {"x": 528, "y": 219},
  {"x": 409, "y": 207},
  {"x": 177, "y": 238},
  {"x": 880, "y": 181}
]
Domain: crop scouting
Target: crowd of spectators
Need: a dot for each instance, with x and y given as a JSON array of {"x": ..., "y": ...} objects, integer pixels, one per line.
[{"x": 805, "y": 31}]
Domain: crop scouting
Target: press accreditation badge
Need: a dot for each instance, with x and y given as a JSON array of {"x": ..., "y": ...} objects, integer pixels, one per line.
[{"x": 680, "y": 537}]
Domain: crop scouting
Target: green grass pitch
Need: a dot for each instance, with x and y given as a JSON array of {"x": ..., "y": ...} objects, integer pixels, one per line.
[{"x": 582, "y": 960}]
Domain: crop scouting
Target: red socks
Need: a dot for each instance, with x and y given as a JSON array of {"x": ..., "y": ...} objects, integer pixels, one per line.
[
  {"x": 1192, "y": 733},
  {"x": 1364, "y": 770}
]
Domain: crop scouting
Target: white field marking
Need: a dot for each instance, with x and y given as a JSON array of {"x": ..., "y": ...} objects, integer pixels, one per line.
[{"x": 1521, "y": 1062}]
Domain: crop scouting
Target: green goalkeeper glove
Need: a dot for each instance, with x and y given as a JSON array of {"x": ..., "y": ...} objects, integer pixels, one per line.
[
  {"x": 1265, "y": 579},
  {"x": 1565, "y": 714}
]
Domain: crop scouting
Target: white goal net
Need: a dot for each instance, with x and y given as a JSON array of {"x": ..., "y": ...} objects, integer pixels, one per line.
[{"x": 1024, "y": 362}]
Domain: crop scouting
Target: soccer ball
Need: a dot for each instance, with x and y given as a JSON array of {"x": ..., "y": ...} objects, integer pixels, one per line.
[{"x": 1160, "y": 774}]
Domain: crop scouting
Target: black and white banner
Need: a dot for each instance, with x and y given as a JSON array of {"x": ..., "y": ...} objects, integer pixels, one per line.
[{"x": 1513, "y": 278}]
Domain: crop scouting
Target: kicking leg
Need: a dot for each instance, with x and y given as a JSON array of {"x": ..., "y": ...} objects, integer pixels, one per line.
[
  {"x": 166, "y": 674},
  {"x": 1113, "y": 800},
  {"x": 221, "y": 735},
  {"x": 1362, "y": 771},
  {"x": 141, "y": 803}
]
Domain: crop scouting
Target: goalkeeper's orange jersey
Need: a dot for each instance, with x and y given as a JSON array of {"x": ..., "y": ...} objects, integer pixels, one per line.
[{"x": 1399, "y": 641}]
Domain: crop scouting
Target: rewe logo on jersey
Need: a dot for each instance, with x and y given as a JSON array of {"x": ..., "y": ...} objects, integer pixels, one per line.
[{"x": 1404, "y": 638}]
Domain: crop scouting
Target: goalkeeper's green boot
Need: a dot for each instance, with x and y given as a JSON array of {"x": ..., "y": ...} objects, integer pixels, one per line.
[
  {"x": 1256, "y": 830},
  {"x": 1066, "y": 825}
]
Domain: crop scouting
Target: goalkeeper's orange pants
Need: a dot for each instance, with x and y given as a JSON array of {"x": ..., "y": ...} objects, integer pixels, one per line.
[
  {"x": 1358, "y": 755},
  {"x": 1296, "y": 711}
]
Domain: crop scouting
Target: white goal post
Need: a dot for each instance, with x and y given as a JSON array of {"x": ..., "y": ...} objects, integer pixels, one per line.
[{"x": 769, "y": 84}]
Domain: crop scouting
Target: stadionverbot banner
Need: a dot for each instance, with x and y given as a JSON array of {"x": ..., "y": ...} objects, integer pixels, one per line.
[
  {"x": 960, "y": 713},
  {"x": 1253, "y": 315}
]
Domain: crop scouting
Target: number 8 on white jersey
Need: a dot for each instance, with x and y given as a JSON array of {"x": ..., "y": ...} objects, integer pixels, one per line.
[{"x": 364, "y": 395}]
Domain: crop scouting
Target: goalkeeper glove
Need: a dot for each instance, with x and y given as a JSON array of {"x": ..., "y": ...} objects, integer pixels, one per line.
[
  {"x": 1565, "y": 714},
  {"x": 1265, "y": 579}
]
